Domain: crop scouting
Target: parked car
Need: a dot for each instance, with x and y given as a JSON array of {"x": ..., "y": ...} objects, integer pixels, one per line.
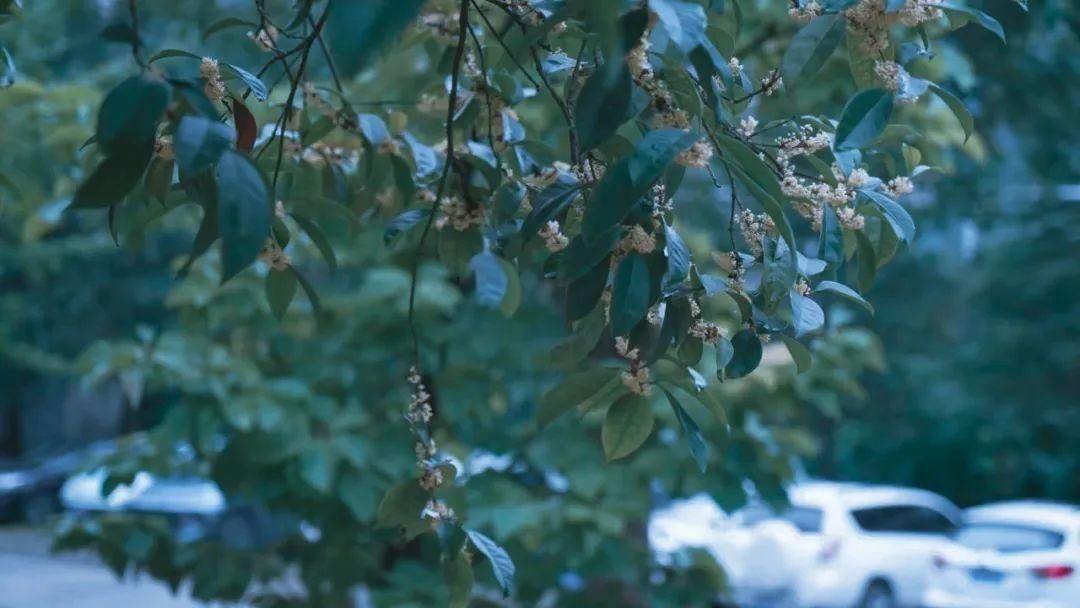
[
  {"x": 838, "y": 545},
  {"x": 28, "y": 486},
  {"x": 1020, "y": 554}
]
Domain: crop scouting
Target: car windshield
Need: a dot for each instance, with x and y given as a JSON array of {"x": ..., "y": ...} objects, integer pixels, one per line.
[{"x": 1008, "y": 537}]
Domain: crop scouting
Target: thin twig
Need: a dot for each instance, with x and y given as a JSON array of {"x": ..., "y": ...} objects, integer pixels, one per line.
[{"x": 136, "y": 40}]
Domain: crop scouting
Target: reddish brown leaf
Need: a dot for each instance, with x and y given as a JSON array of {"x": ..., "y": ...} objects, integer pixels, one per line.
[{"x": 245, "y": 126}]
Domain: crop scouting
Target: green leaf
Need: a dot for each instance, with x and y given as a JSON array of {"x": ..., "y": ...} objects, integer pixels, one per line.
[
  {"x": 7, "y": 77},
  {"x": 655, "y": 152},
  {"x": 583, "y": 390},
  {"x": 863, "y": 119},
  {"x": 967, "y": 123},
  {"x": 225, "y": 23},
  {"x": 986, "y": 21},
  {"x": 129, "y": 115},
  {"x": 684, "y": 22},
  {"x": 309, "y": 290},
  {"x": 678, "y": 257},
  {"x": 358, "y": 31},
  {"x": 358, "y": 496},
  {"x": 318, "y": 238},
  {"x": 491, "y": 281},
  {"x": 402, "y": 506},
  {"x": 243, "y": 212},
  {"x": 500, "y": 560},
  {"x": 867, "y": 261},
  {"x": 806, "y": 315},
  {"x": 831, "y": 244},
  {"x": 113, "y": 179},
  {"x": 458, "y": 574},
  {"x": 584, "y": 292},
  {"x": 403, "y": 222},
  {"x": 812, "y": 46},
  {"x": 760, "y": 180},
  {"x": 318, "y": 467},
  {"x": 170, "y": 53},
  {"x": 747, "y": 354},
  {"x": 698, "y": 448},
  {"x": 779, "y": 274},
  {"x": 280, "y": 289},
  {"x": 374, "y": 128},
  {"x": 200, "y": 142},
  {"x": 602, "y": 106},
  {"x": 898, "y": 218},
  {"x": 844, "y": 291},
  {"x": 257, "y": 86},
  {"x": 549, "y": 203},
  {"x": 628, "y": 423},
  {"x": 724, "y": 353},
  {"x": 631, "y": 293},
  {"x": 799, "y": 354}
]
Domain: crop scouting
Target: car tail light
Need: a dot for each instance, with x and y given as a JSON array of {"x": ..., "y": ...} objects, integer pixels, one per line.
[
  {"x": 829, "y": 550},
  {"x": 1051, "y": 572},
  {"x": 940, "y": 562}
]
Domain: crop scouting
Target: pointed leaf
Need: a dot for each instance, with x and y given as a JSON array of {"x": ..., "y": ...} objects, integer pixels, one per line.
[
  {"x": 280, "y": 290},
  {"x": 747, "y": 355},
  {"x": 129, "y": 115},
  {"x": 863, "y": 119},
  {"x": 200, "y": 142},
  {"x": 844, "y": 291},
  {"x": 243, "y": 212},
  {"x": 628, "y": 423},
  {"x": 812, "y": 46},
  {"x": 631, "y": 293}
]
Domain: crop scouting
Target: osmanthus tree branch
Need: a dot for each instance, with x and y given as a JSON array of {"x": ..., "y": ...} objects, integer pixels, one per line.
[
  {"x": 451, "y": 109},
  {"x": 136, "y": 40}
]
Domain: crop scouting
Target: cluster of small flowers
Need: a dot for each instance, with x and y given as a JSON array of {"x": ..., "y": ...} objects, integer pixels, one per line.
[
  {"x": 803, "y": 13},
  {"x": 805, "y": 140},
  {"x": 637, "y": 240},
  {"x": 898, "y": 186},
  {"x": 437, "y": 510},
  {"x": 661, "y": 204},
  {"x": 888, "y": 72},
  {"x": 802, "y": 287},
  {"x": 274, "y": 255},
  {"x": 754, "y": 227},
  {"x": 636, "y": 376},
  {"x": 747, "y": 126},
  {"x": 849, "y": 219},
  {"x": 653, "y": 315},
  {"x": 430, "y": 478},
  {"x": 209, "y": 70},
  {"x": 321, "y": 153},
  {"x": 458, "y": 215},
  {"x": 419, "y": 410},
  {"x": 709, "y": 332},
  {"x": 265, "y": 38},
  {"x": 737, "y": 276},
  {"x": 870, "y": 22},
  {"x": 548, "y": 175},
  {"x": 697, "y": 156},
  {"x": 735, "y": 66},
  {"x": 163, "y": 147},
  {"x": 554, "y": 239}
]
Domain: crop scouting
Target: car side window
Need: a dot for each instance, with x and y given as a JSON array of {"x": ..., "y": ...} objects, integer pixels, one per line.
[{"x": 902, "y": 518}]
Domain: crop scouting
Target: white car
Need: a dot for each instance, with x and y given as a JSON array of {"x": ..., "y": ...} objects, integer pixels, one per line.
[
  {"x": 1010, "y": 555},
  {"x": 838, "y": 545}
]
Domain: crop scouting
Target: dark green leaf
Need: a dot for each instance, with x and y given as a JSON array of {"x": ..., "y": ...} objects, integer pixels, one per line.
[
  {"x": 799, "y": 354},
  {"x": 986, "y": 21},
  {"x": 747, "y": 356},
  {"x": 967, "y": 123},
  {"x": 225, "y": 23},
  {"x": 500, "y": 560},
  {"x": 243, "y": 212},
  {"x": 683, "y": 21},
  {"x": 129, "y": 115},
  {"x": 584, "y": 390},
  {"x": 402, "y": 505},
  {"x": 169, "y": 53},
  {"x": 628, "y": 423},
  {"x": 899, "y": 219},
  {"x": 844, "y": 291},
  {"x": 358, "y": 31},
  {"x": 806, "y": 315},
  {"x": 584, "y": 292},
  {"x": 280, "y": 289},
  {"x": 812, "y": 46},
  {"x": 491, "y": 281},
  {"x": 458, "y": 574},
  {"x": 698, "y": 448},
  {"x": 863, "y": 119},
  {"x": 655, "y": 152},
  {"x": 318, "y": 238},
  {"x": 549, "y": 203},
  {"x": 831, "y": 244},
  {"x": 403, "y": 222},
  {"x": 309, "y": 290},
  {"x": 867, "y": 261},
  {"x": 200, "y": 142},
  {"x": 631, "y": 294},
  {"x": 760, "y": 180},
  {"x": 113, "y": 179},
  {"x": 602, "y": 106},
  {"x": 678, "y": 257}
]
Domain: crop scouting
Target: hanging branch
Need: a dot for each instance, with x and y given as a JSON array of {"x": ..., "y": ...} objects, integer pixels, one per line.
[
  {"x": 136, "y": 40},
  {"x": 459, "y": 54}
]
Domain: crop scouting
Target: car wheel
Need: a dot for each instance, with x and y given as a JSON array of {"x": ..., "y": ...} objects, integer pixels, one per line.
[{"x": 878, "y": 594}]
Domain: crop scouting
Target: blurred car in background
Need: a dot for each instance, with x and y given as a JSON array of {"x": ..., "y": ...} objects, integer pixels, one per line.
[
  {"x": 28, "y": 486},
  {"x": 1021, "y": 554},
  {"x": 838, "y": 545}
]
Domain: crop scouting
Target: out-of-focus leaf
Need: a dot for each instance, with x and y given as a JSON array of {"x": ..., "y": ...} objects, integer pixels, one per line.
[
  {"x": 491, "y": 281},
  {"x": 812, "y": 46},
  {"x": 358, "y": 31},
  {"x": 113, "y": 178},
  {"x": 799, "y": 354},
  {"x": 631, "y": 293},
  {"x": 280, "y": 290}
]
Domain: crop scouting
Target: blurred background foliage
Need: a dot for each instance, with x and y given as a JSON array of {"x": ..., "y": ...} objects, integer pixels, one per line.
[{"x": 965, "y": 381}]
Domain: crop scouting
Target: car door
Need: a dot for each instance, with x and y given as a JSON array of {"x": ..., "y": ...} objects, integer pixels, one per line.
[{"x": 904, "y": 537}]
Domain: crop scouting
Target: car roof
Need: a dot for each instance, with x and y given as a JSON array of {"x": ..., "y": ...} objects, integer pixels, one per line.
[
  {"x": 857, "y": 495},
  {"x": 1038, "y": 512}
]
